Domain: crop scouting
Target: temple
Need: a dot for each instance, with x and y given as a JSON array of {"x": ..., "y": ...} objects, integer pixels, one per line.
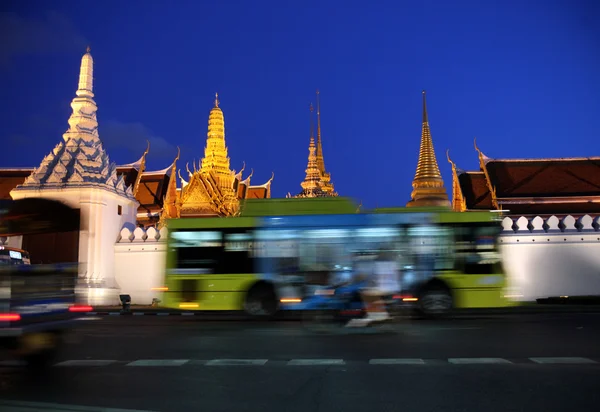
[
  {"x": 428, "y": 185},
  {"x": 529, "y": 187},
  {"x": 79, "y": 173},
  {"x": 209, "y": 189},
  {"x": 317, "y": 182}
]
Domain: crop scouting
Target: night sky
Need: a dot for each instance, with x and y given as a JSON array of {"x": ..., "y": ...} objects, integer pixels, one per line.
[{"x": 521, "y": 76}]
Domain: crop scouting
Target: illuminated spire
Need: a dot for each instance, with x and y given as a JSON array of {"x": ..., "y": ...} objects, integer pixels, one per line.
[
  {"x": 320, "y": 159},
  {"x": 312, "y": 181},
  {"x": 325, "y": 177},
  {"x": 428, "y": 185},
  {"x": 215, "y": 152}
]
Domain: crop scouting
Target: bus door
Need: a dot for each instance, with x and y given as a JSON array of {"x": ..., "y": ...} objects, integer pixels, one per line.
[
  {"x": 211, "y": 269},
  {"x": 325, "y": 257},
  {"x": 277, "y": 253},
  {"x": 479, "y": 281}
]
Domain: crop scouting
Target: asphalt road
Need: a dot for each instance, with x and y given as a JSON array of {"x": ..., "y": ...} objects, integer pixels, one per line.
[{"x": 498, "y": 363}]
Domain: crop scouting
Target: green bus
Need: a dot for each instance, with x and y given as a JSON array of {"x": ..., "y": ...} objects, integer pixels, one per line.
[{"x": 281, "y": 251}]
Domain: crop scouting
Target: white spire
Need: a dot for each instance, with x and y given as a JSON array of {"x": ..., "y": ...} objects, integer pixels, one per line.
[
  {"x": 80, "y": 159},
  {"x": 86, "y": 76}
]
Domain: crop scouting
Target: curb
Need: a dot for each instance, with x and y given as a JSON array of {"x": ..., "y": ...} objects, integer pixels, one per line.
[{"x": 296, "y": 315}]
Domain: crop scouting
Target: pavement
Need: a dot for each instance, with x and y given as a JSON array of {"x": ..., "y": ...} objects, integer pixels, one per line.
[
  {"x": 529, "y": 308},
  {"x": 533, "y": 362}
]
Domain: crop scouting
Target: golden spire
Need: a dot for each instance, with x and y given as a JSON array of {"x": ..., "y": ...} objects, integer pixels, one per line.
[
  {"x": 428, "y": 185},
  {"x": 312, "y": 181},
  {"x": 327, "y": 186},
  {"x": 320, "y": 159},
  {"x": 215, "y": 153},
  {"x": 88, "y": 49}
]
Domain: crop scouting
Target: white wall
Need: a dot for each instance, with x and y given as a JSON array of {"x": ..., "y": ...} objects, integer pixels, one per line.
[
  {"x": 551, "y": 257},
  {"x": 140, "y": 263}
]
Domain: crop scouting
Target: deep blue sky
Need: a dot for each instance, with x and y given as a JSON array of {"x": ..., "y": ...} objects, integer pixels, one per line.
[{"x": 522, "y": 76}]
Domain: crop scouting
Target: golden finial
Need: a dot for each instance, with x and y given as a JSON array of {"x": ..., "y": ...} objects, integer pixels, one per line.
[
  {"x": 88, "y": 49},
  {"x": 425, "y": 120},
  {"x": 216, "y": 99},
  {"x": 178, "y": 154}
]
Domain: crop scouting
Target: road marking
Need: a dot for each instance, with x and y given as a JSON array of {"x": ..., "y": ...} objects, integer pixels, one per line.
[
  {"x": 188, "y": 314},
  {"x": 307, "y": 362},
  {"x": 158, "y": 362},
  {"x": 477, "y": 361},
  {"x": 138, "y": 313},
  {"x": 114, "y": 314},
  {"x": 236, "y": 362},
  {"x": 562, "y": 360},
  {"x": 163, "y": 313},
  {"x": 43, "y": 406},
  {"x": 86, "y": 362},
  {"x": 399, "y": 361}
]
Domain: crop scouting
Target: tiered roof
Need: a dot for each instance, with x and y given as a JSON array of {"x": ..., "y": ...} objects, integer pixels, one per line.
[{"x": 558, "y": 186}]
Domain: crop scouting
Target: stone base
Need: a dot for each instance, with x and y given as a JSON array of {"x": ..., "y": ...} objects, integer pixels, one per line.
[{"x": 98, "y": 296}]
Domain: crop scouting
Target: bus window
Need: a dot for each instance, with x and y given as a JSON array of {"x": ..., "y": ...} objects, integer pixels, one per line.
[
  {"x": 325, "y": 255},
  {"x": 477, "y": 250},
  {"x": 238, "y": 255},
  {"x": 197, "y": 251}
]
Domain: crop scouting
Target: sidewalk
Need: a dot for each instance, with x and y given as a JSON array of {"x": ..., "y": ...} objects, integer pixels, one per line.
[{"x": 526, "y": 308}]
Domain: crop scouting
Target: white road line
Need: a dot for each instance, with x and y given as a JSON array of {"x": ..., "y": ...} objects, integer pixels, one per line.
[
  {"x": 398, "y": 361},
  {"x": 43, "y": 406},
  {"x": 236, "y": 362},
  {"x": 564, "y": 360},
  {"x": 138, "y": 313},
  {"x": 187, "y": 314},
  {"x": 478, "y": 361},
  {"x": 86, "y": 362},
  {"x": 309, "y": 362},
  {"x": 163, "y": 313},
  {"x": 158, "y": 362},
  {"x": 114, "y": 313}
]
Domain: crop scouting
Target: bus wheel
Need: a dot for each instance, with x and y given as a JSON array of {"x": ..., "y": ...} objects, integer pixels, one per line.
[
  {"x": 435, "y": 302},
  {"x": 261, "y": 301}
]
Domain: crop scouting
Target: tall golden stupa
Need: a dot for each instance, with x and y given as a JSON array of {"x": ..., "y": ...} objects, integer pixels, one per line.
[
  {"x": 317, "y": 182},
  {"x": 213, "y": 189},
  {"x": 428, "y": 185}
]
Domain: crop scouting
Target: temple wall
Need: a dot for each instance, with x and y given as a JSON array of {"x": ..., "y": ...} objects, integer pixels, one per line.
[
  {"x": 140, "y": 263},
  {"x": 551, "y": 257}
]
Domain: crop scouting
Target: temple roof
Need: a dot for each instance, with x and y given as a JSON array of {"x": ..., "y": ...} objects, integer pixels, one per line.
[
  {"x": 475, "y": 191},
  {"x": 151, "y": 192},
  {"x": 545, "y": 177},
  {"x": 534, "y": 186},
  {"x": 11, "y": 178}
]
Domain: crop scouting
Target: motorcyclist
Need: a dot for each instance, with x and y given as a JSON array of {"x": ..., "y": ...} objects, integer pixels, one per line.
[{"x": 382, "y": 274}]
